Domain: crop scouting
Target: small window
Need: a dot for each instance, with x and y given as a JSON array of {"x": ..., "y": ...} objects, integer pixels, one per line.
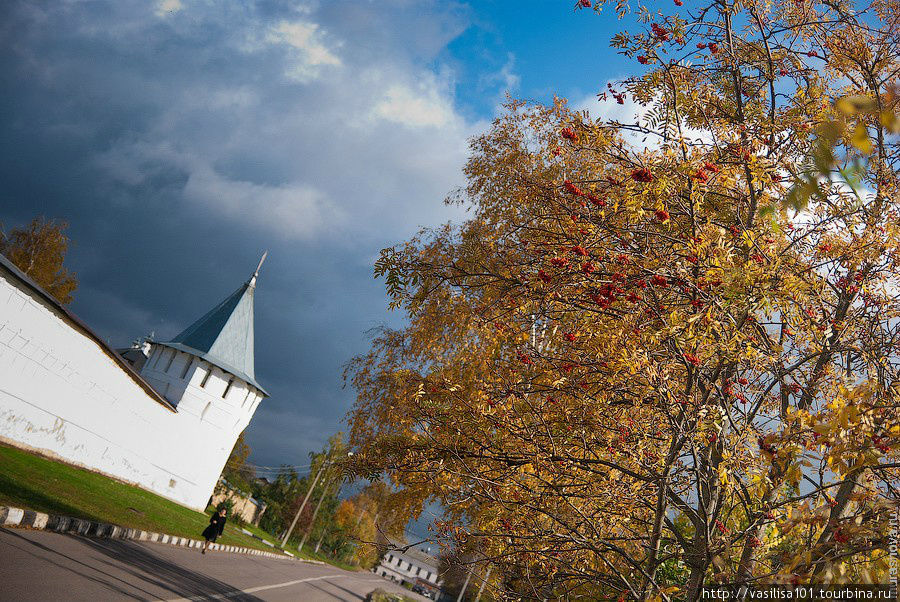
[
  {"x": 206, "y": 377},
  {"x": 187, "y": 366},
  {"x": 418, "y": 571},
  {"x": 171, "y": 361},
  {"x": 159, "y": 353},
  {"x": 228, "y": 387},
  {"x": 246, "y": 397}
]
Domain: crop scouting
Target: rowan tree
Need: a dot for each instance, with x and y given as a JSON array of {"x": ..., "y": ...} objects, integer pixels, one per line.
[
  {"x": 663, "y": 354},
  {"x": 39, "y": 250}
]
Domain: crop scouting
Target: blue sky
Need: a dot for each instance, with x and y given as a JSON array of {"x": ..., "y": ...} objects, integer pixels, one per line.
[{"x": 180, "y": 139}]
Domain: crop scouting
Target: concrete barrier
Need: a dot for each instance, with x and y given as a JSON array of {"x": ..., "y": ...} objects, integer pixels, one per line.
[
  {"x": 29, "y": 519},
  {"x": 12, "y": 516},
  {"x": 39, "y": 521}
]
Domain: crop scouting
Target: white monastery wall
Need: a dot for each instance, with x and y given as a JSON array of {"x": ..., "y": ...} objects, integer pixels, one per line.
[{"x": 61, "y": 393}]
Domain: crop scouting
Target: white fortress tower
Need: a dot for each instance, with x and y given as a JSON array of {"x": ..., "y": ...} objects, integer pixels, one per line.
[
  {"x": 161, "y": 415},
  {"x": 208, "y": 370}
]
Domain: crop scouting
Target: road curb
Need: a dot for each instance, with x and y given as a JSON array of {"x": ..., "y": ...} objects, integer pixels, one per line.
[{"x": 29, "y": 519}]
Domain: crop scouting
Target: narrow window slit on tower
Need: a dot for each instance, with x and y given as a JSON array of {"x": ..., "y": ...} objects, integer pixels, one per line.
[
  {"x": 171, "y": 360},
  {"x": 159, "y": 353},
  {"x": 187, "y": 366},
  {"x": 228, "y": 387},
  {"x": 206, "y": 377}
]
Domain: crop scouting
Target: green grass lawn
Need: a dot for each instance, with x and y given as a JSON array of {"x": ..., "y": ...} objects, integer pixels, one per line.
[
  {"x": 36, "y": 483},
  {"x": 309, "y": 554}
]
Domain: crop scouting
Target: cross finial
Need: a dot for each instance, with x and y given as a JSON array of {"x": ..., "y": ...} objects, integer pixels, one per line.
[{"x": 256, "y": 273}]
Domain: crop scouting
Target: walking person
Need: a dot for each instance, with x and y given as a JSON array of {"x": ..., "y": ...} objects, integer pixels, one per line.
[{"x": 216, "y": 527}]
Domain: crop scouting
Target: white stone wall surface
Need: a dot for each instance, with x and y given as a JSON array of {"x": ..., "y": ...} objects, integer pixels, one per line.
[{"x": 64, "y": 393}]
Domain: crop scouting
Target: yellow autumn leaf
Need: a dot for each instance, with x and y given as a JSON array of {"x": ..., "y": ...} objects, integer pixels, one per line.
[{"x": 860, "y": 139}]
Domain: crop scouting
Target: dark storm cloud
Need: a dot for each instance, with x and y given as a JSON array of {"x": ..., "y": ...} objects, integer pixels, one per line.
[{"x": 181, "y": 139}]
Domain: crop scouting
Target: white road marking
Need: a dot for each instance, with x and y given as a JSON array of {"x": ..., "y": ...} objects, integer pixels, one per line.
[{"x": 251, "y": 590}]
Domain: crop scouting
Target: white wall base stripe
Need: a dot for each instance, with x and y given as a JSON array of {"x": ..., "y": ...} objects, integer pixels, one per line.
[{"x": 19, "y": 517}]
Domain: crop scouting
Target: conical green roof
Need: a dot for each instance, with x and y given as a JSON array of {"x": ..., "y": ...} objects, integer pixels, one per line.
[{"x": 224, "y": 336}]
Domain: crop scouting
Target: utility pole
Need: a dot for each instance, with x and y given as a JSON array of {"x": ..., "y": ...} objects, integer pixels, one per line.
[
  {"x": 483, "y": 583},
  {"x": 359, "y": 518},
  {"x": 374, "y": 520},
  {"x": 312, "y": 522},
  {"x": 321, "y": 539},
  {"x": 319, "y": 543},
  {"x": 325, "y": 530},
  {"x": 303, "y": 505},
  {"x": 465, "y": 585}
]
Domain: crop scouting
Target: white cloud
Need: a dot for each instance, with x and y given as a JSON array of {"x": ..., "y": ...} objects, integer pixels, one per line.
[
  {"x": 295, "y": 211},
  {"x": 506, "y": 80},
  {"x": 242, "y": 97},
  {"x": 310, "y": 50},
  {"x": 630, "y": 112},
  {"x": 361, "y": 153},
  {"x": 291, "y": 211},
  {"x": 511, "y": 80},
  {"x": 610, "y": 110},
  {"x": 167, "y": 7},
  {"x": 422, "y": 106}
]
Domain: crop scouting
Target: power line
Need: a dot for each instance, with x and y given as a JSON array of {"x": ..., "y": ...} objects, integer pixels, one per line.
[
  {"x": 282, "y": 467},
  {"x": 283, "y": 470},
  {"x": 286, "y": 468}
]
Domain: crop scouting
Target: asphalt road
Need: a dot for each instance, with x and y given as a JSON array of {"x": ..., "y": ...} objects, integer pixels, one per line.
[{"x": 38, "y": 565}]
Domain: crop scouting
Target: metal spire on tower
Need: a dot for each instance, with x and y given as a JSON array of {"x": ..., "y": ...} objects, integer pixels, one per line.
[{"x": 256, "y": 273}]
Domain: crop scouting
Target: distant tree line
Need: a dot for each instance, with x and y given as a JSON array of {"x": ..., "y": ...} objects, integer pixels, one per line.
[{"x": 353, "y": 529}]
